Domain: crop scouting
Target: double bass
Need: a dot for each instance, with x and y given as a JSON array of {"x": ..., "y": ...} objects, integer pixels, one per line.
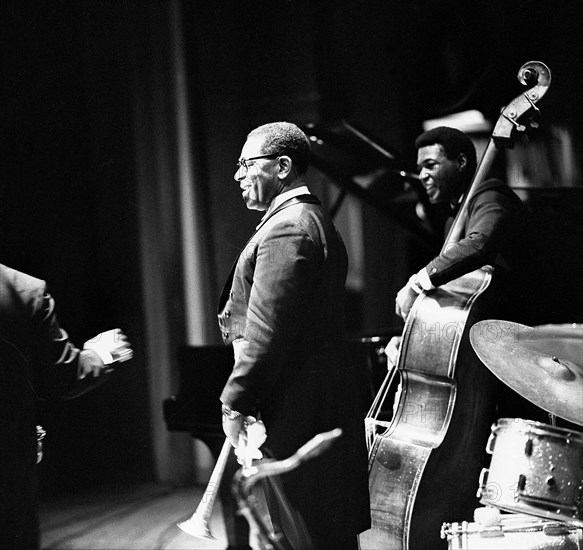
[{"x": 424, "y": 463}]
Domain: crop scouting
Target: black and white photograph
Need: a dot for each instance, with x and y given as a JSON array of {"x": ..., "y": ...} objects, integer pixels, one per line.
[{"x": 291, "y": 275}]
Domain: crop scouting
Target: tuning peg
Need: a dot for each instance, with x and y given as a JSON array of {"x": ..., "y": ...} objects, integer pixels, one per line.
[{"x": 510, "y": 117}]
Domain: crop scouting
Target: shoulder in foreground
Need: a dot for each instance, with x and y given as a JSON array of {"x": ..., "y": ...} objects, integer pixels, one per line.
[{"x": 18, "y": 279}]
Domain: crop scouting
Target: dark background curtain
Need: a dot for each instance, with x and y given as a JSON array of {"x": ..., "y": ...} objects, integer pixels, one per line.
[{"x": 77, "y": 79}]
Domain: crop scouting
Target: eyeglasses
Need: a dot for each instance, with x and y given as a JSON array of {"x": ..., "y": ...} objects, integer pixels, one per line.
[{"x": 243, "y": 162}]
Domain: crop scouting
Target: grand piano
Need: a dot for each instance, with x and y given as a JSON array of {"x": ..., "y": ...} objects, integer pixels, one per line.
[{"x": 203, "y": 373}]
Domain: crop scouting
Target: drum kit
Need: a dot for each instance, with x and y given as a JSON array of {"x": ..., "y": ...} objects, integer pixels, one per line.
[{"x": 533, "y": 490}]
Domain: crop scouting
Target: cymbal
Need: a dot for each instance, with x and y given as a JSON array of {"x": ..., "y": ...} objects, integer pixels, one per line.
[{"x": 542, "y": 364}]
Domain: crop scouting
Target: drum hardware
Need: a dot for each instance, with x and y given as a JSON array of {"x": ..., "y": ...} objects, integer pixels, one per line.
[
  {"x": 551, "y": 529},
  {"x": 502, "y": 531},
  {"x": 552, "y": 419}
]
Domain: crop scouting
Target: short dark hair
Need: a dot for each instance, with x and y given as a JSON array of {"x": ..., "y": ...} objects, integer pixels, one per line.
[
  {"x": 454, "y": 143},
  {"x": 287, "y": 139}
]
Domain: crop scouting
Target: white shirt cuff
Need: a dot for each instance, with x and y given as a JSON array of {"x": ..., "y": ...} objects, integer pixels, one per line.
[
  {"x": 103, "y": 353},
  {"x": 423, "y": 280}
]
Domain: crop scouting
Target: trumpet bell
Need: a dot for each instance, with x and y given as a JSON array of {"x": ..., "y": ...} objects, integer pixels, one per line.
[{"x": 197, "y": 526}]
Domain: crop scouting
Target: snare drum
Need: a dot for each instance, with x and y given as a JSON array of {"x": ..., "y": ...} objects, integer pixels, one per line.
[
  {"x": 535, "y": 469},
  {"x": 513, "y": 532}
]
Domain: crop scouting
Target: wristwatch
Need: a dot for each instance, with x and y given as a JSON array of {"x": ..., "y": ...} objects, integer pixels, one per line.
[{"x": 229, "y": 413}]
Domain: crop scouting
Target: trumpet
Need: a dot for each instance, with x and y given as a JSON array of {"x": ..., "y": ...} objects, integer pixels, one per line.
[
  {"x": 248, "y": 449},
  {"x": 198, "y": 524}
]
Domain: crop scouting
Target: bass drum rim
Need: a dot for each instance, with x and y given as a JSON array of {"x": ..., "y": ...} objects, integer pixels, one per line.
[{"x": 465, "y": 535}]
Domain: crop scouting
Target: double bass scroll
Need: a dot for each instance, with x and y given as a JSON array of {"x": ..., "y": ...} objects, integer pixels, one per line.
[
  {"x": 509, "y": 122},
  {"x": 424, "y": 466}
]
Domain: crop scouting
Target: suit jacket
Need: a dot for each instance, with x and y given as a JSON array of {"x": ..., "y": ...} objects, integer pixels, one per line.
[
  {"x": 36, "y": 360},
  {"x": 497, "y": 232},
  {"x": 283, "y": 305},
  {"x": 490, "y": 234}
]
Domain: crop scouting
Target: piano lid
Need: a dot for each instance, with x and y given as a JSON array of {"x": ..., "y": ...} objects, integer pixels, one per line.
[{"x": 362, "y": 166}]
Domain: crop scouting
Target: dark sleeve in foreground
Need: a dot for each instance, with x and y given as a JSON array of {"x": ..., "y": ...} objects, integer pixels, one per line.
[{"x": 57, "y": 360}]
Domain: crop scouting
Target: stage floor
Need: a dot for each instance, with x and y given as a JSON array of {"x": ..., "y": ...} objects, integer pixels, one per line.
[{"x": 126, "y": 517}]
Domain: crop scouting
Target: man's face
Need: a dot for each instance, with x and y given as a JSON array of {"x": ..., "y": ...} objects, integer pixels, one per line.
[
  {"x": 259, "y": 182},
  {"x": 440, "y": 176}
]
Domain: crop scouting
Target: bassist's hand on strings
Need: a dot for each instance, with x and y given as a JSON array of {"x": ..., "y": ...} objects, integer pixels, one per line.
[
  {"x": 392, "y": 351},
  {"x": 406, "y": 297}
]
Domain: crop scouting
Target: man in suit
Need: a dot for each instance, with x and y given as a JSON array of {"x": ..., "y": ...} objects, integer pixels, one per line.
[
  {"x": 282, "y": 308},
  {"x": 37, "y": 360},
  {"x": 446, "y": 159}
]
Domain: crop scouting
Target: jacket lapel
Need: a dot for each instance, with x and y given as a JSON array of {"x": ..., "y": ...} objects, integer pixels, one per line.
[
  {"x": 307, "y": 198},
  {"x": 312, "y": 199}
]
